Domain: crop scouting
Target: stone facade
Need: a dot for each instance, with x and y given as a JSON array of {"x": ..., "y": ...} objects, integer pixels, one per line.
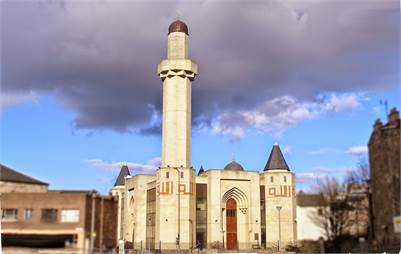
[
  {"x": 384, "y": 158},
  {"x": 147, "y": 223},
  {"x": 231, "y": 208}
]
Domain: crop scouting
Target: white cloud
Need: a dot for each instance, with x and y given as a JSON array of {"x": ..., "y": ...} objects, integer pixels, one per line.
[
  {"x": 318, "y": 173},
  {"x": 357, "y": 150},
  {"x": 8, "y": 99},
  {"x": 324, "y": 150},
  {"x": 280, "y": 113},
  {"x": 308, "y": 177},
  {"x": 337, "y": 103},
  {"x": 331, "y": 171},
  {"x": 135, "y": 168}
]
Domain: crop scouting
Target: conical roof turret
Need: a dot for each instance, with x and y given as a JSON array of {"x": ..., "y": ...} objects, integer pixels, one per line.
[
  {"x": 276, "y": 160},
  {"x": 124, "y": 171},
  {"x": 201, "y": 170}
]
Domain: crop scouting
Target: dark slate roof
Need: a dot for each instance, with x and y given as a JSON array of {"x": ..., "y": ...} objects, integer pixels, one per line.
[
  {"x": 9, "y": 175},
  {"x": 313, "y": 200},
  {"x": 201, "y": 170},
  {"x": 234, "y": 166},
  {"x": 121, "y": 177},
  {"x": 276, "y": 160}
]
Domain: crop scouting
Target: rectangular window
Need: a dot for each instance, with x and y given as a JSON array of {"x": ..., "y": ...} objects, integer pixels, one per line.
[
  {"x": 271, "y": 179},
  {"x": 167, "y": 174},
  {"x": 285, "y": 179},
  {"x": 28, "y": 213},
  {"x": 8, "y": 214},
  {"x": 182, "y": 174},
  {"x": 49, "y": 215},
  {"x": 70, "y": 215},
  {"x": 150, "y": 218}
]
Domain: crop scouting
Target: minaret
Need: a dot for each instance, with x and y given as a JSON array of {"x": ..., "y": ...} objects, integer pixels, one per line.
[
  {"x": 175, "y": 184},
  {"x": 280, "y": 206},
  {"x": 177, "y": 73}
]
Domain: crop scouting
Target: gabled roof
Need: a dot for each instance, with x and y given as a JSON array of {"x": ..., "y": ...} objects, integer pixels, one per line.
[
  {"x": 121, "y": 177},
  {"x": 276, "y": 159},
  {"x": 9, "y": 175}
]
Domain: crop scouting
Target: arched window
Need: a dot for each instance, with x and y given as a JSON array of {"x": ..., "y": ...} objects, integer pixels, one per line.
[
  {"x": 271, "y": 179},
  {"x": 285, "y": 179}
]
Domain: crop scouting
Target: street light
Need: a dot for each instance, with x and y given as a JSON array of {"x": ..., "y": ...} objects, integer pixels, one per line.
[{"x": 279, "y": 228}]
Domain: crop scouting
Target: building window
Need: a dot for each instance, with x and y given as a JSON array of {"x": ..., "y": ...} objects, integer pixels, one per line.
[
  {"x": 49, "y": 215},
  {"x": 70, "y": 215},
  {"x": 285, "y": 179},
  {"x": 182, "y": 174},
  {"x": 271, "y": 179},
  {"x": 9, "y": 214},
  {"x": 167, "y": 174},
  {"x": 28, "y": 213}
]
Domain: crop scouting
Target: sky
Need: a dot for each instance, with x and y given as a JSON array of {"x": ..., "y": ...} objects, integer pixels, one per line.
[{"x": 80, "y": 95}]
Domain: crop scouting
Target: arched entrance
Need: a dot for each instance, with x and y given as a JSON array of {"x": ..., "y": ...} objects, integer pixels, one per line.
[{"x": 231, "y": 221}]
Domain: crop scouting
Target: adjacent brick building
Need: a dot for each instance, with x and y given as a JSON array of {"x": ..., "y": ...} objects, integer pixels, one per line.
[
  {"x": 384, "y": 158},
  {"x": 58, "y": 218}
]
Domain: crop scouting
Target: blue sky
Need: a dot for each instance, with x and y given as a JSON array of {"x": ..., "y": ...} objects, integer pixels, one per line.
[
  {"x": 80, "y": 97},
  {"x": 38, "y": 138}
]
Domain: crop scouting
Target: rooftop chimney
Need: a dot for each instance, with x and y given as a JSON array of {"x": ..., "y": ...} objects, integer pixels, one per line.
[{"x": 394, "y": 115}]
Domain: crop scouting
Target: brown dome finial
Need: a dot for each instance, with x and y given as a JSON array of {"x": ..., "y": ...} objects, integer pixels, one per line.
[
  {"x": 234, "y": 166},
  {"x": 178, "y": 26}
]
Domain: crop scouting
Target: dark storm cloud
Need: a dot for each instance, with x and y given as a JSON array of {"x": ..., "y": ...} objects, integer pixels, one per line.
[{"x": 100, "y": 57}]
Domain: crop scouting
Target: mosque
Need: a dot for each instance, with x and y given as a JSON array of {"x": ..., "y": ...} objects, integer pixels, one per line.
[{"x": 179, "y": 209}]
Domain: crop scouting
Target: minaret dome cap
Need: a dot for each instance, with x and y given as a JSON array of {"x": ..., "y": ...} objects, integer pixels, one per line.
[{"x": 178, "y": 26}]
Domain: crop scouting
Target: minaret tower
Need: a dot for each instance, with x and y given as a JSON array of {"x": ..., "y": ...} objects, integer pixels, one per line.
[
  {"x": 175, "y": 223},
  {"x": 280, "y": 208}
]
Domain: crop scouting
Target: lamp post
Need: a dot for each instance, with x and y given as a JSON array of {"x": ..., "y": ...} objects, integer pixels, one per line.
[
  {"x": 279, "y": 227},
  {"x": 179, "y": 209}
]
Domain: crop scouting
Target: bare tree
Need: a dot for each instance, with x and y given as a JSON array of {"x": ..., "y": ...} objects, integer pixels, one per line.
[
  {"x": 332, "y": 215},
  {"x": 357, "y": 188},
  {"x": 344, "y": 207},
  {"x": 360, "y": 174}
]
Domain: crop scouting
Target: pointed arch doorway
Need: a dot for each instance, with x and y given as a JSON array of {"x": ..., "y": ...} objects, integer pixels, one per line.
[{"x": 231, "y": 224}]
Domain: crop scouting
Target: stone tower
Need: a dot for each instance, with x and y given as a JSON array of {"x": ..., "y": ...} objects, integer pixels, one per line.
[
  {"x": 280, "y": 209},
  {"x": 175, "y": 184},
  {"x": 384, "y": 160}
]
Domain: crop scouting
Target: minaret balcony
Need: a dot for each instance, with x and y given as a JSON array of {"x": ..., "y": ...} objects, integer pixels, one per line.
[{"x": 178, "y": 67}]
